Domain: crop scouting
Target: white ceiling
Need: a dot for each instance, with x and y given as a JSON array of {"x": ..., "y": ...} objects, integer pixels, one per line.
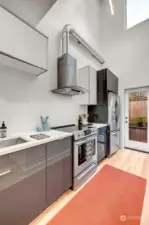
[{"x": 31, "y": 11}]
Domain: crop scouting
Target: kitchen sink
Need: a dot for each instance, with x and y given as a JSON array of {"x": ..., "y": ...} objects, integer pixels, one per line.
[{"x": 12, "y": 142}]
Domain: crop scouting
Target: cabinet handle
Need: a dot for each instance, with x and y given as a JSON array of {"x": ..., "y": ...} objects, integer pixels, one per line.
[{"x": 5, "y": 172}]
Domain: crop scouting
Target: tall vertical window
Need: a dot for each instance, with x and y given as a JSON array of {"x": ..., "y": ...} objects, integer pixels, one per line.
[{"x": 137, "y": 12}]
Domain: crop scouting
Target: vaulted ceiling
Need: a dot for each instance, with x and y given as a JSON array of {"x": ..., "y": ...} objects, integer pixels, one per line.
[{"x": 30, "y": 11}]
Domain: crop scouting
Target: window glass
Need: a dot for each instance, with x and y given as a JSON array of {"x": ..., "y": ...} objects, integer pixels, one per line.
[{"x": 137, "y": 12}]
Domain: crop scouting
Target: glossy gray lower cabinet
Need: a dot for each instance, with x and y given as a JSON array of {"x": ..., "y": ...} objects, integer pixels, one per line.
[
  {"x": 59, "y": 168},
  {"x": 22, "y": 186}
]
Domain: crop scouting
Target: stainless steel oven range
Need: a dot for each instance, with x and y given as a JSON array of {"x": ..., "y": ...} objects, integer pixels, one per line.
[
  {"x": 84, "y": 152},
  {"x": 84, "y": 159}
]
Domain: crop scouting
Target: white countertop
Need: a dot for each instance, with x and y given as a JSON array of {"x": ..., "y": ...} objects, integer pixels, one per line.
[
  {"x": 99, "y": 125},
  {"x": 54, "y": 135}
]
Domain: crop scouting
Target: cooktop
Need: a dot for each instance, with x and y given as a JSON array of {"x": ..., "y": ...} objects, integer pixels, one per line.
[
  {"x": 73, "y": 128},
  {"x": 78, "y": 131}
]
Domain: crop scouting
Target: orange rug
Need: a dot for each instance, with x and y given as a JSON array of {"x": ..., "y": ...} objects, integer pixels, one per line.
[{"x": 112, "y": 197}]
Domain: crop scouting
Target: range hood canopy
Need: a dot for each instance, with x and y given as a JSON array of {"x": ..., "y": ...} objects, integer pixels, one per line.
[
  {"x": 70, "y": 91},
  {"x": 67, "y": 66},
  {"x": 67, "y": 77}
]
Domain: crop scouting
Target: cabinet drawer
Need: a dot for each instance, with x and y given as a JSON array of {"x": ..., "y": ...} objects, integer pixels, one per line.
[
  {"x": 59, "y": 147},
  {"x": 17, "y": 166},
  {"x": 59, "y": 168},
  {"x": 28, "y": 157},
  {"x": 22, "y": 186}
]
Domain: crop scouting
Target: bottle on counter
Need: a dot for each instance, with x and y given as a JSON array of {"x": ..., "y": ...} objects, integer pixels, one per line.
[
  {"x": 79, "y": 121},
  {"x": 3, "y": 130}
]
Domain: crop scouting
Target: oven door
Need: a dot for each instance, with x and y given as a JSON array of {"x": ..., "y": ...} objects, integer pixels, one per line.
[{"x": 84, "y": 154}]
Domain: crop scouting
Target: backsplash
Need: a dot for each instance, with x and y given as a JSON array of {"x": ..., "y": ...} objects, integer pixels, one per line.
[{"x": 24, "y": 98}]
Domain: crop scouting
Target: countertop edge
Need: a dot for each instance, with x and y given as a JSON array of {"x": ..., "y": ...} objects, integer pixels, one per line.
[
  {"x": 32, "y": 142},
  {"x": 99, "y": 125}
]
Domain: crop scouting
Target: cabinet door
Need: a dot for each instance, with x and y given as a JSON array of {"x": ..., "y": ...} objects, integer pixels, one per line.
[
  {"x": 116, "y": 85},
  {"x": 21, "y": 41},
  {"x": 59, "y": 168},
  {"x": 93, "y": 87},
  {"x": 15, "y": 64},
  {"x": 83, "y": 81},
  {"x": 112, "y": 82},
  {"x": 22, "y": 186},
  {"x": 102, "y": 94}
]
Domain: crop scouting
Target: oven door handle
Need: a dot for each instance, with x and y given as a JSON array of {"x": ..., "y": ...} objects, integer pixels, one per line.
[
  {"x": 86, "y": 140},
  {"x": 116, "y": 132}
]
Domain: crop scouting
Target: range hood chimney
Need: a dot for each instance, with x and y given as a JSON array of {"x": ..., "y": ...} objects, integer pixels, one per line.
[{"x": 67, "y": 65}]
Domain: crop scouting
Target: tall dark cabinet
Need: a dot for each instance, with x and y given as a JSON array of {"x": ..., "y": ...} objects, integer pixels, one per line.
[{"x": 106, "y": 82}]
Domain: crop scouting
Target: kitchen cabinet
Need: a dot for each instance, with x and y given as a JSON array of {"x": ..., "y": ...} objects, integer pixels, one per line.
[
  {"x": 32, "y": 179},
  {"x": 112, "y": 81},
  {"x": 26, "y": 48},
  {"x": 22, "y": 185},
  {"x": 106, "y": 81},
  {"x": 59, "y": 168},
  {"x": 87, "y": 78},
  {"x": 102, "y": 93},
  {"x": 17, "y": 64}
]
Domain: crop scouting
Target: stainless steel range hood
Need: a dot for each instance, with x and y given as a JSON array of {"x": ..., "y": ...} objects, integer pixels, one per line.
[
  {"x": 67, "y": 77},
  {"x": 67, "y": 65}
]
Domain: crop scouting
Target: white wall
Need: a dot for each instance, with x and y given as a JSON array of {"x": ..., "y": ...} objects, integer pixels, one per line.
[
  {"x": 126, "y": 51},
  {"x": 23, "y": 98}
]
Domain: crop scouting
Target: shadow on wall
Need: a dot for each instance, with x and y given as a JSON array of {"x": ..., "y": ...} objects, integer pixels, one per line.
[
  {"x": 24, "y": 98},
  {"x": 20, "y": 87},
  {"x": 16, "y": 86}
]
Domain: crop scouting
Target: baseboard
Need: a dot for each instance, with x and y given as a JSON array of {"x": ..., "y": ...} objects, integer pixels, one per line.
[{"x": 136, "y": 150}]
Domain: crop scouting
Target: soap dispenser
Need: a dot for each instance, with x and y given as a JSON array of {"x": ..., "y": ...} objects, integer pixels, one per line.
[{"x": 3, "y": 130}]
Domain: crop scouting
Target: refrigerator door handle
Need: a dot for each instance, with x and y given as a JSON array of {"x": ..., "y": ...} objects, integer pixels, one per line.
[{"x": 115, "y": 132}]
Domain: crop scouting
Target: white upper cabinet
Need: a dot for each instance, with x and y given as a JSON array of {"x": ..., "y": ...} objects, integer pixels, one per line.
[
  {"x": 20, "y": 41},
  {"x": 87, "y": 78}
]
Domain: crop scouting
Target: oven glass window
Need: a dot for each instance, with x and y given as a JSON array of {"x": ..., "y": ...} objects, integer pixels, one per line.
[
  {"x": 81, "y": 154},
  {"x": 93, "y": 146},
  {"x": 86, "y": 151}
]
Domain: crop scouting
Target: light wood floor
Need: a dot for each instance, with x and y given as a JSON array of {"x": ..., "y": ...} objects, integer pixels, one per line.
[{"x": 128, "y": 160}]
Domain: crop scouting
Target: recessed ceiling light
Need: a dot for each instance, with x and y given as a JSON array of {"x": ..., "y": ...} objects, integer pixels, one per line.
[{"x": 111, "y": 7}]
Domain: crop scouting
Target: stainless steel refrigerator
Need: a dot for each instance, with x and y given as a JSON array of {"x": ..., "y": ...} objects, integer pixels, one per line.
[
  {"x": 114, "y": 122},
  {"x": 108, "y": 113}
]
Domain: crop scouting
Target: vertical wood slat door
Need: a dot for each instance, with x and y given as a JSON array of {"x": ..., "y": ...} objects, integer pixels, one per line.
[{"x": 136, "y": 119}]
